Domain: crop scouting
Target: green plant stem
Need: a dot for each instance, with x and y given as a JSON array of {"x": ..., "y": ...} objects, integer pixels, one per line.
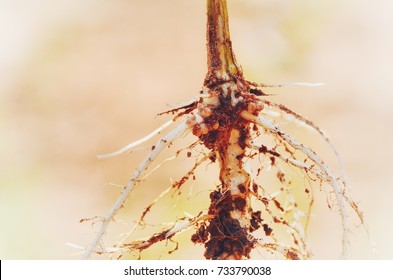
[{"x": 221, "y": 60}]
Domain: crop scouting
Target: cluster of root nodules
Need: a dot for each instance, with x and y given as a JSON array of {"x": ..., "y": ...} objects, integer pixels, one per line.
[
  {"x": 262, "y": 199},
  {"x": 224, "y": 122}
]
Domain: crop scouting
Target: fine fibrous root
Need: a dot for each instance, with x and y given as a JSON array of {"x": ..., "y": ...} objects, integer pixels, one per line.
[
  {"x": 235, "y": 123},
  {"x": 161, "y": 144}
]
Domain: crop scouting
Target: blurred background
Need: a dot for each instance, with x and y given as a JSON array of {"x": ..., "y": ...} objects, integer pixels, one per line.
[{"x": 81, "y": 78}]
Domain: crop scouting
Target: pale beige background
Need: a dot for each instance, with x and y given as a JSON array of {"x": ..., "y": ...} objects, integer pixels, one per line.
[{"x": 78, "y": 78}]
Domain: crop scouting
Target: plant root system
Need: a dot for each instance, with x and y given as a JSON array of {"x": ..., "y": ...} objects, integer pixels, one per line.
[{"x": 236, "y": 124}]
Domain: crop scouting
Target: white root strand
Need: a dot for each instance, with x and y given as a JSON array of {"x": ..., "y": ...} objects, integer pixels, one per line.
[
  {"x": 291, "y": 116},
  {"x": 293, "y": 162},
  {"x": 176, "y": 228},
  {"x": 124, "y": 238},
  {"x": 161, "y": 144},
  {"x": 137, "y": 142},
  {"x": 339, "y": 192},
  {"x": 289, "y": 84},
  {"x": 285, "y": 113}
]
